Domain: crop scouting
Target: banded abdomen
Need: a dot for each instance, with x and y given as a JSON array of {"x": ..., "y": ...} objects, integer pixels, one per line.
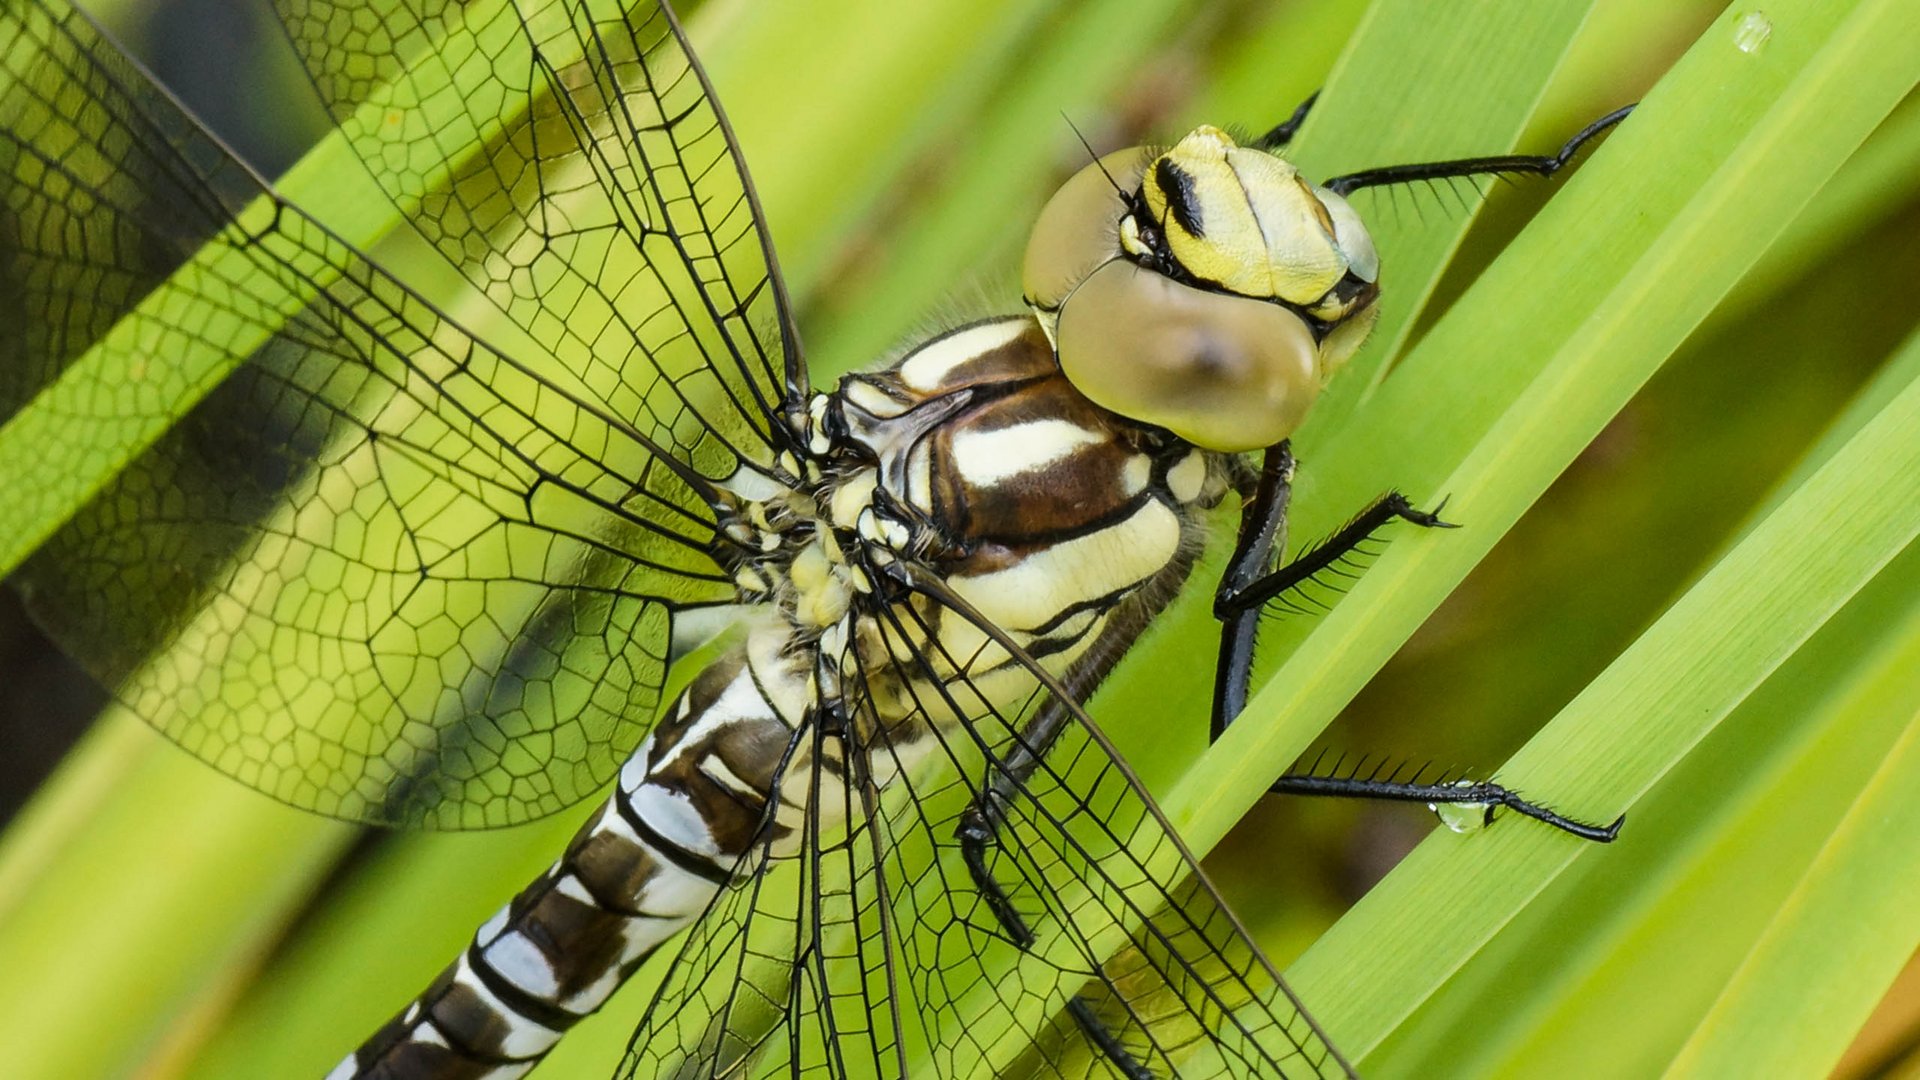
[
  {"x": 688, "y": 806},
  {"x": 1050, "y": 516}
]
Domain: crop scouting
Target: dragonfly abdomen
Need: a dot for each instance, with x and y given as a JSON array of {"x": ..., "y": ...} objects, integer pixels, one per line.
[{"x": 690, "y": 804}]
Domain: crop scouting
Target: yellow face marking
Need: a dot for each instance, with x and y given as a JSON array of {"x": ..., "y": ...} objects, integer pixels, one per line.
[
  {"x": 1130, "y": 241},
  {"x": 1216, "y": 302},
  {"x": 1243, "y": 219}
]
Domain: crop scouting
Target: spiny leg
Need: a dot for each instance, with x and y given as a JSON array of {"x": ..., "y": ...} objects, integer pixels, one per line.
[
  {"x": 1263, "y": 527},
  {"x": 979, "y": 829},
  {"x": 1097, "y": 1033},
  {"x": 1470, "y": 793},
  {"x": 1244, "y": 589},
  {"x": 1248, "y": 583},
  {"x": 1168, "y": 950},
  {"x": 1496, "y": 165},
  {"x": 1282, "y": 133},
  {"x": 1235, "y": 598}
]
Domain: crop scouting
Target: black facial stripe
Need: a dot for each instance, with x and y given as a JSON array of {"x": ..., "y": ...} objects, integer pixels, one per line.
[{"x": 1176, "y": 184}]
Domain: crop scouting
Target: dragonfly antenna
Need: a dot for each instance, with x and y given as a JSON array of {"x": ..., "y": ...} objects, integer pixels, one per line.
[{"x": 1094, "y": 157}]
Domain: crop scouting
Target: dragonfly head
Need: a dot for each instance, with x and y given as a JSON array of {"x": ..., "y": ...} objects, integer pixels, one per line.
[{"x": 1208, "y": 289}]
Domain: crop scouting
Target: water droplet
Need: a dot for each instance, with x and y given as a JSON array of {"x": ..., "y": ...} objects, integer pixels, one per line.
[
  {"x": 1461, "y": 817},
  {"x": 1750, "y": 34}
]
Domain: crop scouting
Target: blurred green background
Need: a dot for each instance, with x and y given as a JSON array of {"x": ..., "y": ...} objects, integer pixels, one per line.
[{"x": 929, "y": 135}]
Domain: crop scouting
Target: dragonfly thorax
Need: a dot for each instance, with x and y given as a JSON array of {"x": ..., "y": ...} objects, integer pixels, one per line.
[
  {"x": 1208, "y": 289},
  {"x": 982, "y": 464},
  {"x": 973, "y": 459}
]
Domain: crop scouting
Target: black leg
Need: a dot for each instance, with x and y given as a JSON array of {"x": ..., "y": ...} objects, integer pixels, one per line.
[
  {"x": 1235, "y": 598},
  {"x": 1283, "y": 132},
  {"x": 1246, "y": 587},
  {"x": 1263, "y": 527},
  {"x": 1468, "y": 793},
  {"x": 979, "y": 829},
  {"x": 980, "y": 822},
  {"x": 1006, "y": 781},
  {"x": 1009, "y": 773},
  {"x": 1099, "y": 1036},
  {"x": 1501, "y": 165}
]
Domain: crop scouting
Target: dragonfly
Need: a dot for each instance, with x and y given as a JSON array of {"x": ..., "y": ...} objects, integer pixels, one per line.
[{"x": 415, "y": 567}]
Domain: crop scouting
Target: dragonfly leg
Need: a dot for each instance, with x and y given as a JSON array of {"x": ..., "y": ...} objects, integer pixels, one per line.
[
  {"x": 1009, "y": 775},
  {"x": 1498, "y": 165},
  {"x": 1247, "y": 585},
  {"x": 1283, "y": 132},
  {"x": 979, "y": 828},
  {"x": 1470, "y": 794},
  {"x": 1128, "y": 1065},
  {"x": 1249, "y": 582},
  {"x": 1392, "y": 506},
  {"x": 980, "y": 822},
  {"x": 1263, "y": 527}
]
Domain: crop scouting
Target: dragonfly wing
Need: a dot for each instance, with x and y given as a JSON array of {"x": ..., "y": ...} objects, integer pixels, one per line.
[
  {"x": 883, "y": 953},
  {"x": 569, "y": 158},
  {"x": 378, "y": 569},
  {"x": 744, "y": 995},
  {"x": 1082, "y": 937}
]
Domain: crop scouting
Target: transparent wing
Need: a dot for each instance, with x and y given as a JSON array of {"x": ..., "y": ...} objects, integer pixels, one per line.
[
  {"x": 1081, "y": 938},
  {"x": 773, "y": 978},
  {"x": 568, "y": 158},
  {"x": 1078, "y": 940},
  {"x": 379, "y": 569}
]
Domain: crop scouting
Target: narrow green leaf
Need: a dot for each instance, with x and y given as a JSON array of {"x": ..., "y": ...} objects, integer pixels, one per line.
[
  {"x": 1818, "y": 971},
  {"x": 353, "y": 961},
  {"x": 1380, "y": 109},
  {"x": 1707, "y": 858},
  {"x": 125, "y": 904},
  {"x": 116, "y": 399},
  {"x": 1631, "y": 724},
  {"x": 1160, "y": 680},
  {"x": 1045, "y": 73},
  {"x": 1709, "y": 855}
]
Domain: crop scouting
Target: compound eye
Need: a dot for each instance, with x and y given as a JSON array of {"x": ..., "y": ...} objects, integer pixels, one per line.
[
  {"x": 1079, "y": 228},
  {"x": 1223, "y": 372},
  {"x": 1351, "y": 237}
]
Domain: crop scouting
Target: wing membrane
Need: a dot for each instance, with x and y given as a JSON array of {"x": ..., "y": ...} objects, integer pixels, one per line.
[
  {"x": 777, "y": 976},
  {"x": 382, "y": 570},
  {"x": 109, "y": 189},
  {"x": 567, "y": 157},
  {"x": 1132, "y": 955},
  {"x": 890, "y": 958}
]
